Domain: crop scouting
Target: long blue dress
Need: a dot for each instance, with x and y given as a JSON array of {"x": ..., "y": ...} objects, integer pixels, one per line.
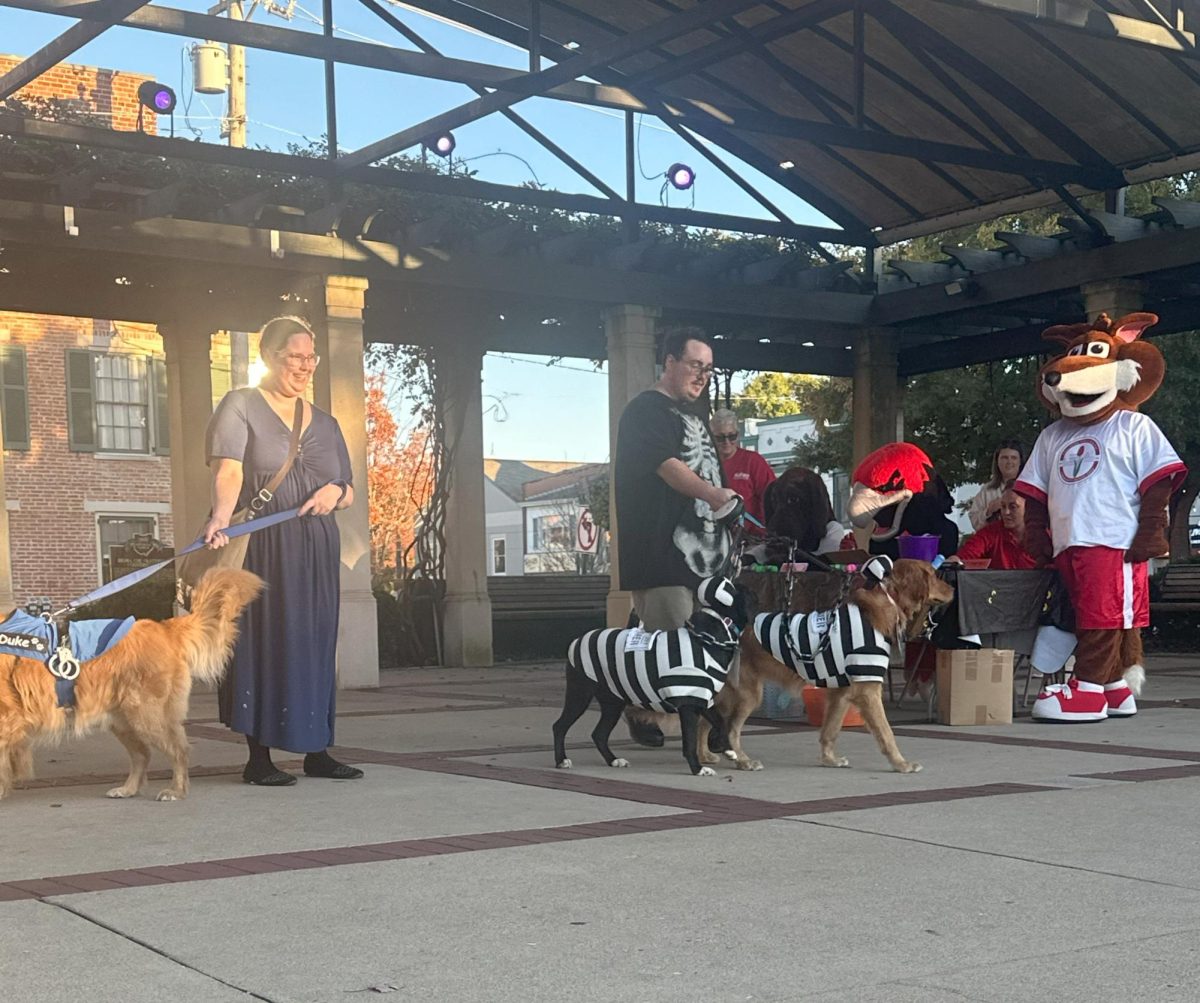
[{"x": 281, "y": 684}]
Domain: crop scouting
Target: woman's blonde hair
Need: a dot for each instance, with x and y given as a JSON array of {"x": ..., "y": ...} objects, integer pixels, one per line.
[{"x": 275, "y": 333}]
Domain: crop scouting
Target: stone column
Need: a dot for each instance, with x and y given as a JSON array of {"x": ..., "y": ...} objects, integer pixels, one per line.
[
  {"x": 877, "y": 414},
  {"x": 7, "y": 599},
  {"x": 467, "y": 621},
  {"x": 188, "y": 347},
  {"x": 339, "y": 388},
  {"x": 1115, "y": 297},
  {"x": 632, "y": 353}
]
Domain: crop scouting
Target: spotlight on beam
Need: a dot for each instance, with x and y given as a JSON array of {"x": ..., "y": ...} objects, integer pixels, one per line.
[
  {"x": 442, "y": 144},
  {"x": 157, "y": 97},
  {"x": 681, "y": 176}
]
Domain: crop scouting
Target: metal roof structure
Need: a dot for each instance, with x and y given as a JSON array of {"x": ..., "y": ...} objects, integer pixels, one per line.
[{"x": 900, "y": 117}]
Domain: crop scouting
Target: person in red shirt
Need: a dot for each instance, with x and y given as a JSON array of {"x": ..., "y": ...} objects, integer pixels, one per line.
[
  {"x": 745, "y": 471},
  {"x": 1004, "y": 541}
]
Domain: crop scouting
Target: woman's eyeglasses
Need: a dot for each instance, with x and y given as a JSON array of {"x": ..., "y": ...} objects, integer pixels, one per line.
[
  {"x": 731, "y": 437},
  {"x": 295, "y": 361}
]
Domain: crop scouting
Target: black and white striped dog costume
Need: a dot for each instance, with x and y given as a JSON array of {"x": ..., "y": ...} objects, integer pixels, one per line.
[
  {"x": 676, "y": 671},
  {"x": 830, "y": 648}
]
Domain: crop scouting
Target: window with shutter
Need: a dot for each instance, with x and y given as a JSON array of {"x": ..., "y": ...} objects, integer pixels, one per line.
[
  {"x": 162, "y": 415},
  {"x": 14, "y": 397},
  {"x": 81, "y": 411}
]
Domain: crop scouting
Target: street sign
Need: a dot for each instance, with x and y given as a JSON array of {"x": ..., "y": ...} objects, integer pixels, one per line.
[{"x": 587, "y": 533}]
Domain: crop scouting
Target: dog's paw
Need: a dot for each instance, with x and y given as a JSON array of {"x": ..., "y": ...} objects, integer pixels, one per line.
[
  {"x": 708, "y": 758},
  {"x": 619, "y": 763},
  {"x": 169, "y": 795},
  {"x": 749, "y": 765},
  {"x": 120, "y": 792},
  {"x": 563, "y": 765},
  {"x": 909, "y": 768},
  {"x": 706, "y": 771},
  {"x": 730, "y": 754},
  {"x": 837, "y": 762}
]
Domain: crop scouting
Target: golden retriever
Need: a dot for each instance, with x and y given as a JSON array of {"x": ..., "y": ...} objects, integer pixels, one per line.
[
  {"x": 139, "y": 688},
  {"x": 914, "y": 589}
]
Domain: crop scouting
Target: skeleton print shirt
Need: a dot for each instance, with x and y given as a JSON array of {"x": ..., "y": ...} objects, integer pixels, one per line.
[{"x": 664, "y": 537}]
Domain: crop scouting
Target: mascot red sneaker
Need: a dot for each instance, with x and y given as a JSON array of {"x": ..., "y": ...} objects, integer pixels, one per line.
[
  {"x": 896, "y": 490},
  {"x": 1096, "y": 487}
]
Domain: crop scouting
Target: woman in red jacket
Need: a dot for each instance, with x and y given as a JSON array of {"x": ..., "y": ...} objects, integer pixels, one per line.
[{"x": 1003, "y": 542}]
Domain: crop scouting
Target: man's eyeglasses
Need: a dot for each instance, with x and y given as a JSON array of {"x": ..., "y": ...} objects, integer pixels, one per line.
[
  {"x": 731, "y": 437},
  {"x": 295, "y": 361},
  {"x": 698, "y": 368}
]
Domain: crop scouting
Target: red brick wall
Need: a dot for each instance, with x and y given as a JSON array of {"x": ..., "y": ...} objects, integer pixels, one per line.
[
  {"x": 111, "y": 94},
  {"x": 53, "y": 537}
]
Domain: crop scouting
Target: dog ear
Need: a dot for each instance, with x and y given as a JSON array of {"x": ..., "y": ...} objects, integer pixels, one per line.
[{"x": 770, "y": 502}]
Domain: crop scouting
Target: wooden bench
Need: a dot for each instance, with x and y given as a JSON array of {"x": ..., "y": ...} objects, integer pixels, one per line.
[
  {"x": 1179, "y": 591},
  {"x": 548, "y": 597}
]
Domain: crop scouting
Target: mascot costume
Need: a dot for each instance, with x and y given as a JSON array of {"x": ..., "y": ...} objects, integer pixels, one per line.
[
  {"x": 897, "y": 489},
  {"x": 1097, "y": 486}
]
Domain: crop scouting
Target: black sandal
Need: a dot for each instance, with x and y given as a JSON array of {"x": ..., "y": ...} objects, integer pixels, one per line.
[
  {"x": 321, "y": 764},
  {"x": 273, "y": 778}
]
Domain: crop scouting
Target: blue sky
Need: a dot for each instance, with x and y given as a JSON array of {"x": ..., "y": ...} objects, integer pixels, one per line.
[{"x": 285, "y": 104}]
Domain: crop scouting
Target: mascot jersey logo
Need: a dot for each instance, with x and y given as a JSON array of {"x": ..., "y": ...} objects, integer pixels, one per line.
[{"x": 1079, "y": 460}]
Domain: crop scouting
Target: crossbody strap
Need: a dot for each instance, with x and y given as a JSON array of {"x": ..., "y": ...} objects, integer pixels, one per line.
[{"x": 264, "y": 496}]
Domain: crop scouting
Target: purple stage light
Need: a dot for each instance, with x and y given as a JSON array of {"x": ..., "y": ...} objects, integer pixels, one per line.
[
  {"x": 442, "y": 144},
  {"x": 157, "y": 97},
  {"x": 681, "y": 176}
]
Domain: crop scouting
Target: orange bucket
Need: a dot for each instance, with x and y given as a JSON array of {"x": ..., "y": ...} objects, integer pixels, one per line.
[{"x": 814, "y": 709}]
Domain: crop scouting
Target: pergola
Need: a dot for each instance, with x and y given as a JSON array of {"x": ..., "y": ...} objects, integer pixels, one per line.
[{"x": 894, "y": 118}]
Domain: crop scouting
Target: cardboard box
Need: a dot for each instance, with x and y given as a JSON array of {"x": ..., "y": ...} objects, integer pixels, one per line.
[{"x": 975, "y": 687}]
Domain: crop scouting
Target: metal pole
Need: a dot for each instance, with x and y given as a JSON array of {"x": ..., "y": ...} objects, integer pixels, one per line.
[
  {"x": 331, "y": 138},
  {"x": 631, "y": 223},
  {"x": 535, "y": 36}
]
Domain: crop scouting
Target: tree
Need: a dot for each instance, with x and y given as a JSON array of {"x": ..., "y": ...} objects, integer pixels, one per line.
[
  {"x": 774, "y": 395},
  {"x": 399, "y": 483},
  {"x": 1173, "y": 408}
]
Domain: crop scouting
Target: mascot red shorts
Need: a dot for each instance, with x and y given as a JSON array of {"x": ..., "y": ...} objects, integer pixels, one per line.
[{"x": 1108, "y": 593}]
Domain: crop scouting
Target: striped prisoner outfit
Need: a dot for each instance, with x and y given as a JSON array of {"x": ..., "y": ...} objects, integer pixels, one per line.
[
  {"x": 677, "y": 666},
  {"x": 850, "y": 650}
]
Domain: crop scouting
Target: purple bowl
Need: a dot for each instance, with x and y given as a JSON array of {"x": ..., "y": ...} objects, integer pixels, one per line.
[{"x": 918, "y": 548}]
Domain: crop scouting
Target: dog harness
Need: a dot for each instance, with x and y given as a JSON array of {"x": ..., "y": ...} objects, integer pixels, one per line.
[
  {"x": 28, "y": 636},
  {"x": 834, "y": 648},
  {"x": 656, "y": 671}
]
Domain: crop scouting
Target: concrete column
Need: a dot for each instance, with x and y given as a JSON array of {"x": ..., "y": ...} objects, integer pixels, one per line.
[
  {"x": 1115, "y": 297},
  {"x": 188, "y": 347},
  {"x": 339, "y": 388},
  {"x": 877, "y": 414},
  {"x": 632, "y": 353},
  {"x": 467, "y": 620}
]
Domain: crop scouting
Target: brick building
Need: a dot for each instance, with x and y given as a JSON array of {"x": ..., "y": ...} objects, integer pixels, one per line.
[{"x": 86, "y": 445}]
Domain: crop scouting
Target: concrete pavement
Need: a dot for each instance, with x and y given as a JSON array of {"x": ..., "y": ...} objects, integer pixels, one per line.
[{"x": 465, "y": 868}]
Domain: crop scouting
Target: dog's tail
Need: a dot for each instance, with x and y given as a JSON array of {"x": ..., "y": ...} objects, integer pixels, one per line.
[{"x": 206, "y": 635}]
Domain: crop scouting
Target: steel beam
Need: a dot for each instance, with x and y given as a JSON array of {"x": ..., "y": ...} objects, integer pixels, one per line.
[
  {"x": 533, "y": 84},
  {"x": 108, "y": 13}
]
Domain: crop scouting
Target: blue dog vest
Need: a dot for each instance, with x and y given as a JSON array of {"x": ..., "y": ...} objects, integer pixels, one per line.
[{"x": 28, "y": 636}]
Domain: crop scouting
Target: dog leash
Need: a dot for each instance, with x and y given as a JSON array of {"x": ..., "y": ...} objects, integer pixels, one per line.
[{"x": 141, "y": 574}]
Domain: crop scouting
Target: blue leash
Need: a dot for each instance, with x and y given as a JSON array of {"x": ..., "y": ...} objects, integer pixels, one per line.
[{"x": 131, "y": 579}]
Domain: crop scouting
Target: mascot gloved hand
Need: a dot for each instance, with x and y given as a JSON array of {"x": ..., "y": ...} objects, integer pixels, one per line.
[
  {"x": 1096, "y": 486},
  {"x": 896, "y": 490}
]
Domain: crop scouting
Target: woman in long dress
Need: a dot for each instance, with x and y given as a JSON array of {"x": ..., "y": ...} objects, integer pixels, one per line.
[{"x": 280, "y": 688}]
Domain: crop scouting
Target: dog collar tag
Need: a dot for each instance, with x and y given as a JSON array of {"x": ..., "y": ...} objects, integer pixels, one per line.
[{"x": 638, "y": 639}]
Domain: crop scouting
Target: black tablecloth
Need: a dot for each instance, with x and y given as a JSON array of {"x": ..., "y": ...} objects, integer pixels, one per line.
[{"x": 996, "y": 602}]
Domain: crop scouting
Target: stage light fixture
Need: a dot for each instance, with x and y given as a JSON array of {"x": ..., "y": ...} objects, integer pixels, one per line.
[
  {"x": 681, "y": 176},
  {"x": 157, "y": 97},
  {"x": 442, "y": 144}
]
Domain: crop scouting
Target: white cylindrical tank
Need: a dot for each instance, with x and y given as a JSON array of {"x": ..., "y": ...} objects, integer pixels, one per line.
[{"x": 210, "y": 71}]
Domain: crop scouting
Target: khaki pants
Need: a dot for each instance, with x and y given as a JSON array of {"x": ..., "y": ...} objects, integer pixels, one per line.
[{"x": 665, "y": 607}]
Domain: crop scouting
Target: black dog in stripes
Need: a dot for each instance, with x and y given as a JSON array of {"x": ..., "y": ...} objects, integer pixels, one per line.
[{"x": 679, "y": 670}]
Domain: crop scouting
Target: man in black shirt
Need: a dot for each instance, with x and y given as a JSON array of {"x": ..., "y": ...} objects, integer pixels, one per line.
[{"x": 667, "y": 486}]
